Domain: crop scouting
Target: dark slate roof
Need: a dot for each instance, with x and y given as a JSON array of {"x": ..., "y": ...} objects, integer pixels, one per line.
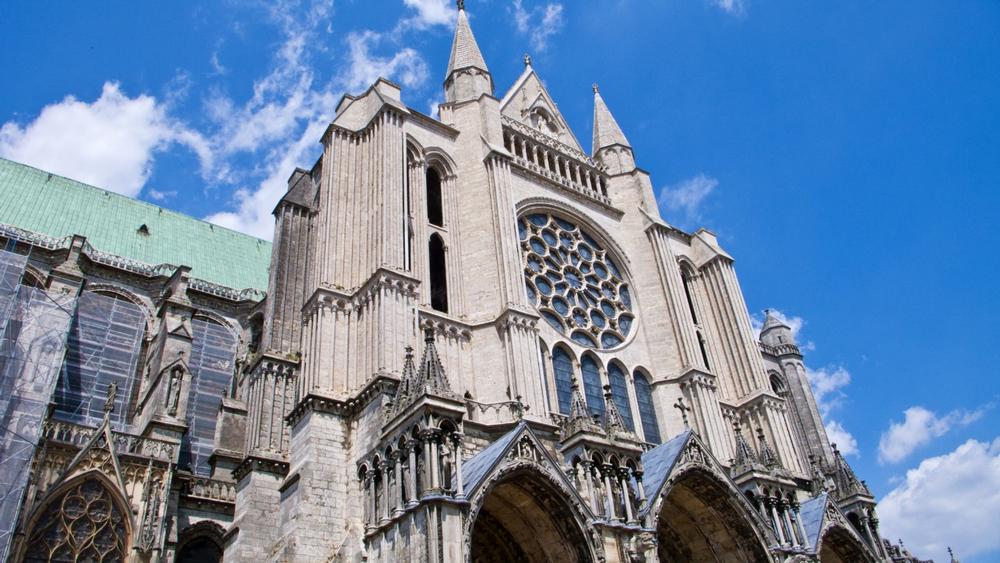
[
  {"x": 657, "y": 463},
  {"x": 811, "y": 512},
  {"x": 475, "y": 469}
]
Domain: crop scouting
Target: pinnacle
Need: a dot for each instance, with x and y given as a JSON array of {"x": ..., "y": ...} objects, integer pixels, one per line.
[{"x": 606, "y": 129}]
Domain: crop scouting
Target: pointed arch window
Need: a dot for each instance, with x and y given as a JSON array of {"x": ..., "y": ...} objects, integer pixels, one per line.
[
  {"x": 82, "y": 524},
  {"x": 687, "y": 293},
  {"x": 619, "y": 393},
  {"x": 562, "y": 370},
  {"x": 647, "y": 411},
  {"x": 592, "y": 386},
  {"x": 435, "y": 207},
  {"x": 438, "y": 273}
]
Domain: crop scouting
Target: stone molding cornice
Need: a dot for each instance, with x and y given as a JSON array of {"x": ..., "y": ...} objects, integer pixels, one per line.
[
  {"x": 780, "y": 351},
  {"x": 345, "y": 406},
  {"x": 261, "y": 463},
  {"x": 340, "y": 299}
]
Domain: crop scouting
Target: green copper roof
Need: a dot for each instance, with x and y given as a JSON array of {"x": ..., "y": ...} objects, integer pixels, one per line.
[{"x": 47, "y": 204}]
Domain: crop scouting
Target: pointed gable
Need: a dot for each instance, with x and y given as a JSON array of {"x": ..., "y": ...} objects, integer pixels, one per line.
[{"x": 528, "y": 102}]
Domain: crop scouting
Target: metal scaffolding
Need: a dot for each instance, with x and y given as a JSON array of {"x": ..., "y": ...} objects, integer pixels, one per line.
[{"x": 33, "y": 330}]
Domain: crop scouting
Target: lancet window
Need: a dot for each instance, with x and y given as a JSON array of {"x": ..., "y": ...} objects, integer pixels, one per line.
[
  {"x": 592, "y": 386},
  {"x": 438, "y": 273},
  {"x": 647, "y": 411},
  {"x": 435, "y": 207},
  {"x": 562, "y": 369},
  {"x": 619, "y": 393}
]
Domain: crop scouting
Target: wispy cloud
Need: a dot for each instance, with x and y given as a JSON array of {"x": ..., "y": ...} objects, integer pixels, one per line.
[
  {"x": 157, "y": 195},
  {"x": 110, "y": 142},
  {"x": 828, "y": 385},
  {"x": 919, "y": 427},
  {"x": 428, "y": 13},
  {"x": 538, "y": 23},
  {"x": 731, "y": 7},
  {"x": 686, "y": 197},
  {"x": 949, "y": 499}
]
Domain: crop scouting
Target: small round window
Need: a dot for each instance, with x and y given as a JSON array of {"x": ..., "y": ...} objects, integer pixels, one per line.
[{"x": 574, "y": 284}]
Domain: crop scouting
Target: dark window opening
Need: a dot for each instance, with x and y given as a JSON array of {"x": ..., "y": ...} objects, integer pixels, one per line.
[
  {"x": 435, "y": 213},
  {"x": 687, "y": 293},
  {"x": 562, "y": 368},
  {"x": 704, "y": 351},
  {"x": 439, "y": 274}
]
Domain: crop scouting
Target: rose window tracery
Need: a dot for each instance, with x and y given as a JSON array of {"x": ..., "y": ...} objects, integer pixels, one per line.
[
  {"x": 573, "y": 282},
  {"x": 83, "y": 524}
]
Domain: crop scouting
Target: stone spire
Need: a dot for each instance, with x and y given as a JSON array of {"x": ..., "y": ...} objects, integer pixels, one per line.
[
  {"x": 467, "y": 77},
  {"x": 772, "y": 321},
  {"x": 607, "y": 133},
  {"x": 580, "y": 419},
  {"x": 431, "y": 376},
  {"x": 613, "y": 417},
  {"x": 745, "y": 456},
  {"x": 847, "y": 482},
  {"x": 767, "y": 455}
]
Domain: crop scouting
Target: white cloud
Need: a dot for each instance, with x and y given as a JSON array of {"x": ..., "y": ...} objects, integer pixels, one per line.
[
  {"x": 110, "y": 142},
  {"x": 687, "y": 197},
  {"x": 158, "y": 195},
  {"x": 827, "y": 384},
  {"x": 844, "y": 440},
  {"x": 918, "y": 428},
  {"x": 364, "y": 67},
  {"x": 952, "y": 499},
  {"x": 429, "y": 13},
  {"x": 538, "y": 23},
  {"x": 731, "y": 7},
  {"x": 288, "y": 112}
]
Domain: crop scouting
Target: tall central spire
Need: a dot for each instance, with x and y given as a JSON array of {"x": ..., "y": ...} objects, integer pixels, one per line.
[
  {"x": 467, "y": 77},
  {"x": 606, "y": 129}
]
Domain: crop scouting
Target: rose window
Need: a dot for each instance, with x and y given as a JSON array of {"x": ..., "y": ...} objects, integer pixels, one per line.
[{"x": 573, "y": 282}]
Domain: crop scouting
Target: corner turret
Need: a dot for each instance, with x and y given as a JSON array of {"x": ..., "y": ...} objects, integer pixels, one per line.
[
  {"x": 609, "y": 143},
  {"x": 467, "y": 77}
]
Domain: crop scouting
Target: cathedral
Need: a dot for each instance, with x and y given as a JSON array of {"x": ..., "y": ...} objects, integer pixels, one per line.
[{"x": 471, "y": 340}]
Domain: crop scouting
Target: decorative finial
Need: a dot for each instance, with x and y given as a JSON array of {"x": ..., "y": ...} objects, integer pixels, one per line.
[
  {"x": 594, "y": 86},
  {"x": 527, "y": 59},
  {"x": 679, "y": 405},
  {"x": 109, "y": 403},
  {"x": 460, "y": 4}
]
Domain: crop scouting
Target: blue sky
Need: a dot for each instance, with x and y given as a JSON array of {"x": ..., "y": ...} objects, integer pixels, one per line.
[{"x": 846, "y": 153}]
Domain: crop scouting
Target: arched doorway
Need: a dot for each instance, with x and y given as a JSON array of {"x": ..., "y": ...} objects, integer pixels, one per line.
[
  {"x": 82, "y": 521},
  {"x": 200, "y": 543},
  {"x": 525, "y": 518},
  {"x": 703, "y": 520},
  {"x": 840, "y": 546}
]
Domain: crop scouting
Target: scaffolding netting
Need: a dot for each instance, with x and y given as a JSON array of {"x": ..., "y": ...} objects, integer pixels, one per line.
[
  {"x": 33, "y": 329},
  {"x": 103, "y": 347},
  {"x": 213, "y": 349}
]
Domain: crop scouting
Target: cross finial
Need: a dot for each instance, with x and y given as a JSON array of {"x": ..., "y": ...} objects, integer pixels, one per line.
[
  {"x": 679, "y": 405},
  {"x": 527, "y": 59},
  {"x": 109, "y": 403},
  {"x": 460, "y": 4},
  {"x": 594, "y": 86}
]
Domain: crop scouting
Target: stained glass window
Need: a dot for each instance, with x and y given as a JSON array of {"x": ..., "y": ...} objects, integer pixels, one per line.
[
  {"x": 619, "y": 392},
  {"x": 647, "y": 412},
  {"x": 562, "y": 369},
  {"x": 82, "y": 524},
  {"x": 574, "y": 283},
  {"x": 592, "y": 386}
]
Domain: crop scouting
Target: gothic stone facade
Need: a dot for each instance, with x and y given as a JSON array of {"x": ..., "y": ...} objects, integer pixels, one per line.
[{"x": 478, "y": 343}]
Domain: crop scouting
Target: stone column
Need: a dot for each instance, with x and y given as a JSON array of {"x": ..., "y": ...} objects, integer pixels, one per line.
[
  {"x": 785, "y": 510},
  {"x": 398, "y": 493},
  {"x": 608, "y": 493},
  {"x": 589, "y": 479},
  {"x": 411, "y": 452},
  {"x": 459, "y": 486},
  {"x": 626, "y": 497},
  {"x": 772, "y": 503}
]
